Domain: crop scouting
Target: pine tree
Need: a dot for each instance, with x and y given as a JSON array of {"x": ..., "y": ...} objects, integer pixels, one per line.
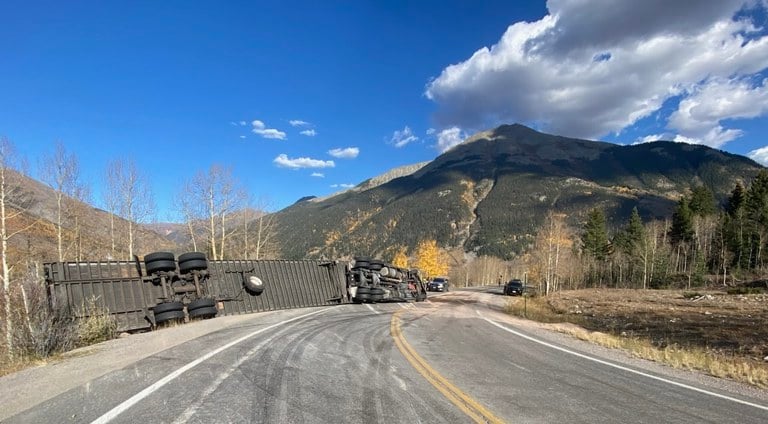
[
  {"x": 702, "y": 201},
  {"x": 681, "y": 230},
  {"x": 595, "y": 236}
]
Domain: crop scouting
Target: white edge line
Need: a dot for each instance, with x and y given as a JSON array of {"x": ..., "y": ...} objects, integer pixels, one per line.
[
  {"x": 371, "y": 308},
  {"x": 600, "y": 361},
  {"x": 114, "y": 412}
]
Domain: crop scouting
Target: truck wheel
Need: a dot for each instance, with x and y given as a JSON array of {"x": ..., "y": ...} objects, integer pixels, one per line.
[
  {"x": 384, "y": 271},
  {"x": 363, "y": 297},
  {"x": 159, "y": 256},
  {"x": 191, "y": 255},
  {"x": 207, "y": 312},
  {"x": 201, "y": 303},
  {"x": 376, "y": 265},
  {"x": 193, "y": 265},
  {"x": 160, "y": 265},
  {"x": 162, "y": 308},
  {"x": 169, "y": 316}
]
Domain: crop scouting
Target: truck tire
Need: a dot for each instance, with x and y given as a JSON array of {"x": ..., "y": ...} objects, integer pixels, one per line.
[
  {"x": 375, "y": 265},
  {"x": 377, "y": 294},
  {"x": 363, "y": 294},
  {"x": 201, "y": 303},
  {"x": 169, "y": 316},
  {"x": 207, "y": 312},
  {"x": 193, "y": 265},
  {"x": 162, "y": 308},
  {"x": 191, "y": 255},
  {"x": 160, "y": 265},
  {"x": 159, "y": 256},
  {"x": 255, "y": 286}
]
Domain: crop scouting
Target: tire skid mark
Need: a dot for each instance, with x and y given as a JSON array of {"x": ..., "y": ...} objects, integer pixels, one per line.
[
  {"x": 133, "y": 400},
  {"x": 275, "y": 383}
]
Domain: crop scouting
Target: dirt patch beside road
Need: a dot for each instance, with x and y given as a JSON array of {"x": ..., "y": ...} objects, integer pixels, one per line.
[{"x": 729, "y": 325}]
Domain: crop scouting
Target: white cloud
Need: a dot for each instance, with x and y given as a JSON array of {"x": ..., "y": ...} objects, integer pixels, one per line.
[
  {"x": 651, "y": 138},
  {"x": 402, "y": 138},
  {"x": 449, "y": 137},
  {"x": 243, "y": 123},
  {"x": 431, "y": 131},
  {"x": 345, "y": 153},
  {"x": 261, "y": 129},
  {"x": 242, "y": 136},
  {"x": 298, "y": 123},
  {"x": 284, "y": 161},
  {"x": 593, "y": 67},
  {"x": 759, "y": 155},
  {"x": 309, "y": 133},
  {"x": 317, "y": 175},
  {"x": 342, "y": 185},
  {"x": 699, "y": 116}
]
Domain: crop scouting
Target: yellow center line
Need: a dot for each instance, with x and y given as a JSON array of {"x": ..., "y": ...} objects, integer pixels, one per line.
[{"x": 477, "y": 412}]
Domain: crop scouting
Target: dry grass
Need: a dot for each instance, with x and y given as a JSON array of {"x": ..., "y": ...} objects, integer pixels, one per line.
[
  {"x": 41, "y": 334},
  {"x": 694, "y": 358}
]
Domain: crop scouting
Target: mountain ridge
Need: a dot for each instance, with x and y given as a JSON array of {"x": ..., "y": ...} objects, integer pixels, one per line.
[{"x": 488, "y": 194}]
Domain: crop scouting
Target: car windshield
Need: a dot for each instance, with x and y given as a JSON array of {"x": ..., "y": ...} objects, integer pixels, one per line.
[
  {"x": 439, "y": 280},
  {"x": 516, "y": 283}
]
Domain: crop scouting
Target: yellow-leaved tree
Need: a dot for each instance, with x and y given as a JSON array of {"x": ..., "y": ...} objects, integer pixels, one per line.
[
  {"x": 430, "y": 259},
  {"x": 401, "y": 259}
]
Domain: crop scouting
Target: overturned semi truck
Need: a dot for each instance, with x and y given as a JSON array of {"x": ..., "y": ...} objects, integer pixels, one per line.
[{"x": 162, "y": 288}]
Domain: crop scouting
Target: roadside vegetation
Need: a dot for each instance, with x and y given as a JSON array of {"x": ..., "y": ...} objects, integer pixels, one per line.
[
  {"x": 42, "y": 334},
  {"x": 720, "y": 334}
]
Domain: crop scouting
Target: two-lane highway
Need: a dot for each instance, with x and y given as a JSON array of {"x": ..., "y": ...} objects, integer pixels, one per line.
[{"x": 449, "y": 360}]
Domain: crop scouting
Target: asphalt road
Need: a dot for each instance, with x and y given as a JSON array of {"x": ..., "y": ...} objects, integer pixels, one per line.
[{"x": 449, "y": 360}]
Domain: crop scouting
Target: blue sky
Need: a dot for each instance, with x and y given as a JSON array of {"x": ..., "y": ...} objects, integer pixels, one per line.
[{"x": 280, "y": 91}]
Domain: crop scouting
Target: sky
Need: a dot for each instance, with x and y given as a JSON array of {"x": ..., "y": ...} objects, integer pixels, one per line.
[{"x": 301, "y": 98}]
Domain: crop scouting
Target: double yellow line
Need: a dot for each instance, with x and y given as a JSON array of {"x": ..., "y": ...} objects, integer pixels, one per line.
[{"x": 469, "y": 406}]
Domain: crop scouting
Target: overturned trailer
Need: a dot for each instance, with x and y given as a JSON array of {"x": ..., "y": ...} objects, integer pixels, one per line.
[{"x": 141, "y": 295}]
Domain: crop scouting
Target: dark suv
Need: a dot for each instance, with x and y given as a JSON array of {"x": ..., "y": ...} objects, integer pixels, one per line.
[
  {"x": 514, "y": 288},
  {"x": 438, "y": 284}
]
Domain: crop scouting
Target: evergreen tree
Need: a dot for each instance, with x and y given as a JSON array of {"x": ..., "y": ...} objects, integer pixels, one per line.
[
  {"x": 757, "y": 199},
  {"x": 682, "y": 223},
  {"x": 702, "y": 201},
  {"x": 736, "y": 200},
  {"x": 595, "y": 236},
  {"x": 635, "y": 230},
  {"x": 734, "y": 226},
  {"x": 756, "y": 219}
]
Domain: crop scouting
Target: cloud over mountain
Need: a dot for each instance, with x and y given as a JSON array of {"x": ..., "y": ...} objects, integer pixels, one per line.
[{"x": 594, "y": 67}]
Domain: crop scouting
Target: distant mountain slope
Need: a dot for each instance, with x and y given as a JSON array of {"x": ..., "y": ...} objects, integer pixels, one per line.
[
  {"x": 34, "y": 205},
  {"x": 490, "y": 193}
]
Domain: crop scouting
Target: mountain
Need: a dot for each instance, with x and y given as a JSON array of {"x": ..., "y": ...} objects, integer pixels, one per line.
[
  {"x": 33, "y": 206},
  {"x": 490, "y": 193}
]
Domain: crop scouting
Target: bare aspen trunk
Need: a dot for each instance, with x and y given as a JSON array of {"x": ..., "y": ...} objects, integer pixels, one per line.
[
  {"x": 4, "y": 256},
  {"x": 59, "y": 237},
  {"x": 223, "y": 235},
  {"x": 212, "y": 225},
  {"x": 192, "y": 235},
  {"x": 112, "y": 233}
]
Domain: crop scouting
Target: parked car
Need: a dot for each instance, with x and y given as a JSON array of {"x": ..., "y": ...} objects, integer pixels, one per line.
[
  {"x": 439, "y": 284},
  {"x": 514, "y": 288}
]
